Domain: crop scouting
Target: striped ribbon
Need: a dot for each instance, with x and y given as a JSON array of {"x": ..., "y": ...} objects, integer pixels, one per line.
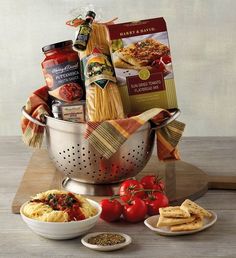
[
  {"x": 107, "y": 137},
  {"x": 36, "y": 106}
]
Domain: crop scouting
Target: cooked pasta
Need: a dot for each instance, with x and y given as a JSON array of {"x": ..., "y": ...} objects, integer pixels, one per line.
[
  {"x": 103, "y": 102},
  {"x": 54, "y": 216},
  {"x": 35, "y": 210},
  {"x": 58, "y": 206},
  {"x": 44, "y": 195}
]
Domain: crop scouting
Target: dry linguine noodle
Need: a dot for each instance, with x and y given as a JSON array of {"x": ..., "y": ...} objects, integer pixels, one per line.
[{"x": 102, "y": 103}]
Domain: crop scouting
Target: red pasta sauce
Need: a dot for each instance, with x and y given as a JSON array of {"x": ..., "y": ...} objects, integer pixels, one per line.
[
  {"x": 61, "y": 69},
  {"x": 64, "y": 202}
]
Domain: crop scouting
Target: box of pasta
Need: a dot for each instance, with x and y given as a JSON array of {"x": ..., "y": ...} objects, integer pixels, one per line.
[{"x": 142, "y": 60}]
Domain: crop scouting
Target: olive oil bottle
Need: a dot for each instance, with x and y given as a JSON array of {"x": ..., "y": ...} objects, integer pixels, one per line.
[{"x": 84, "y": 31}]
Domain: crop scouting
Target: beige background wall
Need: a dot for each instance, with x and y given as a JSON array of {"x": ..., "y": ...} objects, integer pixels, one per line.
[{"x": 203, "y": 43}]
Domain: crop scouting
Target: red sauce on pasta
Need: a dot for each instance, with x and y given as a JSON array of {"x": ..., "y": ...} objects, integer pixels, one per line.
[{"x": 64, "y": 202}]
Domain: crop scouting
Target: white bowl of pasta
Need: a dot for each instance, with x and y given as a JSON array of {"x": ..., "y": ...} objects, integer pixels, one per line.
[{"x": 56, "y": 224}]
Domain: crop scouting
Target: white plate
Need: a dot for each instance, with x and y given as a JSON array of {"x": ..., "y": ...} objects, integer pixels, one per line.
[
  {"x": 165, "y": 231},
  {"x": 84, "y": 241}
]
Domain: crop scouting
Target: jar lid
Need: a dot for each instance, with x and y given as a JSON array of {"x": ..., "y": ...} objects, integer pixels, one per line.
[{"x": 57, "y": 45}]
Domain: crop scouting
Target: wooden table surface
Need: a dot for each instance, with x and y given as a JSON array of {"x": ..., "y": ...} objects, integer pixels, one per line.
[{"x": 214, "y": 155}]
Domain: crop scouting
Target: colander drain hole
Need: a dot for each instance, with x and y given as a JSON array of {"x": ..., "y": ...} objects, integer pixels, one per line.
[{"x": 83, "y": 162}]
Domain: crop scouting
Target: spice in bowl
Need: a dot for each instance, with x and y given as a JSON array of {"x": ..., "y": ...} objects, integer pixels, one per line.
[{"x": 106, "y": 239}]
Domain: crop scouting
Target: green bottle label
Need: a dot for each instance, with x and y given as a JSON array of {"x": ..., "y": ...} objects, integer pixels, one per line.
[{"x": 98, "y": 69}]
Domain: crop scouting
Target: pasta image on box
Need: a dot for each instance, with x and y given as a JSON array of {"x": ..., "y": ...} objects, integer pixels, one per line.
[{"x": 141, "y": 57}]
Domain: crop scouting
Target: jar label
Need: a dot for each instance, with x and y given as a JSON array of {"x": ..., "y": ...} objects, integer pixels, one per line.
[
  {"x": 98, "y": 69},
  {"x": 83, "y": 35},
  {"x": 64, "y": 81},
  {"x": 75, "y": 113}
]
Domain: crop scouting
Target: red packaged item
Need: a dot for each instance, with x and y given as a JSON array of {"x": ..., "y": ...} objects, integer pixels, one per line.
[{"x": 61, "y": 69}]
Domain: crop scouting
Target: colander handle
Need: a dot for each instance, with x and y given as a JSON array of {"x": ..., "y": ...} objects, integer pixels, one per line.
[
  {"x": 174, "y": 114},
  {"x": 30, "y": 118}
]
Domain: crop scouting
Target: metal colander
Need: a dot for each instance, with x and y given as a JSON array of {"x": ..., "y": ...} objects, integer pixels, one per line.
[{"x": 73, "y": 156}]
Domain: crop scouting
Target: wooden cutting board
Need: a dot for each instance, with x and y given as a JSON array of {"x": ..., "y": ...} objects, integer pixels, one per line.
[{"x": 182, "y": 180}]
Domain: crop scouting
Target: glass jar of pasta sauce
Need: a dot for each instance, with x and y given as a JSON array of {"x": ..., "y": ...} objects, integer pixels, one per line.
[{"x": 61, "y": 69}]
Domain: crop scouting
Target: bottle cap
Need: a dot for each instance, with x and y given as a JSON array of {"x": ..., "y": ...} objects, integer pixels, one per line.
[{"x": 91, "y": 14}]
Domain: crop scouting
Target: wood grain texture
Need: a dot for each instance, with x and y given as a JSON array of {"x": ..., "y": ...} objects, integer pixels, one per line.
[
  {"x": 214, "y": 155},
  {"x": 16, "y": 240},
  {"x": 182, "y": 180},
  {"x": 222, "y": 182}
]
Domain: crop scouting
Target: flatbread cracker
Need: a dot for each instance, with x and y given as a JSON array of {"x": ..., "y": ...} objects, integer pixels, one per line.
[
  {"x": 163, "y": 221},
  {"x": 119, "y": 63},
  {"x": 193, "y": 208},
  {"x": 143, "y": 53},
  {"x": 196, "y": 224},
  {"x": 174, "y": 212}
]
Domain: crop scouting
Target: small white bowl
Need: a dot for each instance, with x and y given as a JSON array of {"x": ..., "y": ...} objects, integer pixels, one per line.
[
  {"x": 62, "y": 230},
  {"x": 84, "y": 241}
]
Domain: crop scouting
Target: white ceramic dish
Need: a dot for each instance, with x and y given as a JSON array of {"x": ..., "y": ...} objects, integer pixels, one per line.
[
  {"x": 62, "y": 230},
  {"x": 84, "y": 241},
  {"x": 165, "y": 231}
]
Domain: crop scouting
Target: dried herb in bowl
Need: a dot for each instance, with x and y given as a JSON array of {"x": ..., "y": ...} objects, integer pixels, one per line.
[{"x": 106, "y": 239}]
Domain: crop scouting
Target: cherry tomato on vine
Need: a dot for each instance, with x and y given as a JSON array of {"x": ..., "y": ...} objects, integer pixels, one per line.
[
  {"x": 161, "y": 68},
  {"x": 135, "y": 210},
  {"x": 166, "y": 59},
  {"x": 152, "y": 182},
  {"x": 111, "y": 210},
  {"x": 156, "y": 62},
  {"x": 155, "y": 201},
  {"x": 130, "y": 189}
]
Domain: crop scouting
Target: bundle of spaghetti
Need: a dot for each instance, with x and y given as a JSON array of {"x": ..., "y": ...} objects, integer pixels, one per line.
[{"x": 102, "y": 103}]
